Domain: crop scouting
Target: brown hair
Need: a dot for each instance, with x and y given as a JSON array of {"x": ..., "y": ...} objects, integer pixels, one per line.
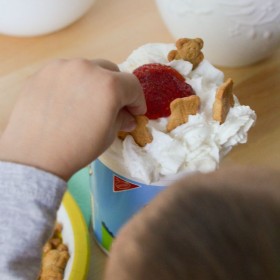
[{"x": 220, "y": 226}]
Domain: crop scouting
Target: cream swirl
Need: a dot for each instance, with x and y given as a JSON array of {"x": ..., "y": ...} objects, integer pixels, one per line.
[{"x": 195, "y": 146}]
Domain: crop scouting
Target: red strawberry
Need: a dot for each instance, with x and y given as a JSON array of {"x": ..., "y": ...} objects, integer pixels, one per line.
[{"x": 161, "y": 84}]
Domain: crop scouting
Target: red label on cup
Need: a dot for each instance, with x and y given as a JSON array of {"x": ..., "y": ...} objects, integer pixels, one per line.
[{"x": 121, "y": 185}]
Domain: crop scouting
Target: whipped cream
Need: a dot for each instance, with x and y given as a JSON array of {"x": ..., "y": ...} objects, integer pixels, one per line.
[{"x": 197, "y": 145}]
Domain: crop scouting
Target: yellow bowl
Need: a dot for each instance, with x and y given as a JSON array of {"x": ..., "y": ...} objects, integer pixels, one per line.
[{"x": 75, "y": 235}]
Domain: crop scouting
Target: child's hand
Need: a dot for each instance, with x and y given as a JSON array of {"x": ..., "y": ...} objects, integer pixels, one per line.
[{"x": 69, "y": 113}]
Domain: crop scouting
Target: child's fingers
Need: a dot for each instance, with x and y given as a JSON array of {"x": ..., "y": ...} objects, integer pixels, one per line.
[
  {"x": 106, "y": 64},
  {"x": 132, "y": 96}
]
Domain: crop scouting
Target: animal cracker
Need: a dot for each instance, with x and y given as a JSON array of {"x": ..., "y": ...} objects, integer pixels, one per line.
[
  {"x": 189, "y": 50},
  {"x": 140, "y": 134},
  {"x": 223, "y": 101},
  {"x": 181, "y": 108}
]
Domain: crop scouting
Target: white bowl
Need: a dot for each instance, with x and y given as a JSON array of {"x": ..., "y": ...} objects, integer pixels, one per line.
[
  {"x": 37, "y": 17},
  {"x": 235, "y": 33}
]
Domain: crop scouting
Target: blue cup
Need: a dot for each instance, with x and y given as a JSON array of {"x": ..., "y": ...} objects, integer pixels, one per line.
[{"x": 115, "y": 200}]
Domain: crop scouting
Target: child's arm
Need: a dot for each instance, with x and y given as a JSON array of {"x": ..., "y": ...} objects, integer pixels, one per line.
[
  {"x": 28, "y": 203},
  {"x": 66, "y": 116}
]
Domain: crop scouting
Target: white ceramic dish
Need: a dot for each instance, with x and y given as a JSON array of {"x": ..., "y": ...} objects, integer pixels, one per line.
[
  {"x": 37, "y": 17},
  {"x": 75, "y": 236},
  {"x": 235, "y": 33}
]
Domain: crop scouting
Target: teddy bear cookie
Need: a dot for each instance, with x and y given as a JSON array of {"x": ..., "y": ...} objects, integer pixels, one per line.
[
  {"x": 223, "y": 101},
  {"x": 188, "y": 50}
]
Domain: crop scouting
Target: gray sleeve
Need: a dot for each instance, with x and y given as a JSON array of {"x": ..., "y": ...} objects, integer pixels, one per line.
[{"x": 29, "y": 199}]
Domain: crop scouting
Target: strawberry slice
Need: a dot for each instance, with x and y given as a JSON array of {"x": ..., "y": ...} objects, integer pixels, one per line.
[{"x": 161, "y": 85}]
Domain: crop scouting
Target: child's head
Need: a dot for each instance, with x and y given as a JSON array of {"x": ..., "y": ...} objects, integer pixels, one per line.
[{"x": 220, "y": 226}]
